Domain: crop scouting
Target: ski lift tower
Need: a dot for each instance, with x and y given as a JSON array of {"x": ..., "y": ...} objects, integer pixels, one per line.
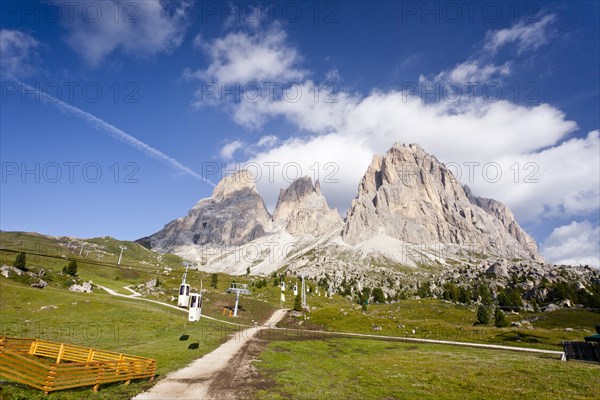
[
  {"x": 120, "y": 255},
  {"x": 238, "y": 288}
]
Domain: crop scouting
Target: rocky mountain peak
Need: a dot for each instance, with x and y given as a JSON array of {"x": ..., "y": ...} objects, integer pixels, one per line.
[
  {"x": 239, "y": 181},
  {"x": 235, "y": 214},
  {"x": 409, "y": 195},
  {"x": 302, "y": 209}
]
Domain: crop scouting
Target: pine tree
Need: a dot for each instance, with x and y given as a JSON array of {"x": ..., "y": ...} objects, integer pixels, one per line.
[
  {"x": 298, "y": 303},
  {"x": 483, "y": 315},
  {"x": 214, "y": 280},
  {"x": 21, "y": 262},
  {"x": 71, "y": 268},
  {"x": 500, "y": 319}
]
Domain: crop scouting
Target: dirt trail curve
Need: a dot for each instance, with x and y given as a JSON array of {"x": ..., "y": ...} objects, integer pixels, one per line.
[{"x": 194, "y": 381}]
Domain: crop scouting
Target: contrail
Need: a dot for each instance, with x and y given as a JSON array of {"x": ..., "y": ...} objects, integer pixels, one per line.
[{"x": 113, "y": 130}]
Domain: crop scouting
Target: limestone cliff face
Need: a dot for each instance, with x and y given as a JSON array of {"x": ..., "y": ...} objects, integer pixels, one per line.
[
  {"x": 302, "y": 209},
  {"x": 505, "y": 215},
  {"x": 235, "y": 214},
  {"x": 409, "y": 195}
]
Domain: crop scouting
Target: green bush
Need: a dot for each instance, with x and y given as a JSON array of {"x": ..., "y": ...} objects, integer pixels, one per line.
[
  {"x": 21, "y": 262},
  {"x": 500, "y": 318},
  {"x": 71, "y": 268},
  {"x": 378, "y": 296},
  {"x": 483, "y": 315},
  {"x": 298, "y": 303}
]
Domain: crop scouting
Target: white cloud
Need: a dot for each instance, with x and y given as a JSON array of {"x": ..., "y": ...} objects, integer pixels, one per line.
[
  {"x": 243, "y": 57},
  {"x": 473, "y": 71},
  {"x": 574, "y": 244},
  {"x": 229, "y": 149},
  {"x": 333, "y": 75},
  {"x": 139, "y": 28},
  {"x": 198, "y": 41},
  {"x": 504, "y": 133},
  {"x": 481, "y": 69},
  {"x": 267, "y": 141},
  {"x": 341, "y": 133},
  {"x": 562, "y": 180},
  {"x": 18, "y": 53},
  {"x": 527, "y": 36}
]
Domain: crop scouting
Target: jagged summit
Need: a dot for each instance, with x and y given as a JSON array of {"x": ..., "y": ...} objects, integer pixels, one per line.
[
  {"x": 302, "y": 209},
  {"x": 409, "y": 195},
  {"x": 235, "y": 214},
  {"x": 238, "y": 181},
  {"x": 406, "y": 197}
]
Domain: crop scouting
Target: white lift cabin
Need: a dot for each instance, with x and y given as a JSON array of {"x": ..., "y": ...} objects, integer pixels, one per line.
[
  {"x": 184, "y": 295},
  {"x": 183, "y": 300},
  {"x": 195, "y": 310}
]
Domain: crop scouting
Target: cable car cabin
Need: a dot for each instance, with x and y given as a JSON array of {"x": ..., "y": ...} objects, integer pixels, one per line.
[
  {"x": 184, "y": 295},
  {"x": 195, "y": 309}
]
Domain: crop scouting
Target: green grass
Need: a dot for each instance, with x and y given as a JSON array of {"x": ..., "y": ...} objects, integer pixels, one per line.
[
  {"x": 436, "y": 319},
  {"x": 105, "y": 322},
  {"x": 371, "y": 369}
]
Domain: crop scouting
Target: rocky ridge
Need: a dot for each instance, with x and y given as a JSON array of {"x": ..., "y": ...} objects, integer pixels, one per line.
[
  {"x": 409, "y": 195},
  {"x": 302, "y": 209},
  {"x": 410, "y": 211}
]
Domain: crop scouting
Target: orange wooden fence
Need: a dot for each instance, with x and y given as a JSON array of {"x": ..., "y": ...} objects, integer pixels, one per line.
[{"x": 51, "y": 366}]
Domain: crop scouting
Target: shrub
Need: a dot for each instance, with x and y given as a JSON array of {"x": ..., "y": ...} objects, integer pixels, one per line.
[
  {"x": 378, "y": 295},
  {"x": 500, "y": 318},
  {"x": 71, "y": 268},
  {"x": 20, "y": 262},
  {"x": 483, "y": 315},
  {"x": 298, "y": 303}
]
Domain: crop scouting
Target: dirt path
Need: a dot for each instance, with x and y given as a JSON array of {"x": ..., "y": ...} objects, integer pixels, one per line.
[{"x": 197, "y": 380}]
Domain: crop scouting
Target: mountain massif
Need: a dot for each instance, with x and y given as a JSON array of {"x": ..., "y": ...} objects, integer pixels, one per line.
[{"x": 410, "y": 210}]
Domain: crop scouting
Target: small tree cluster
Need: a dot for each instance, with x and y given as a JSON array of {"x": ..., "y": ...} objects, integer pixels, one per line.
[
  {"x": 424, "y": 290},
  {"x": 261, "y": 284},
  {"x": 510, "y": 299},
  {"x": 71, "y": 268},
  {"x": 378, "y": 296}
]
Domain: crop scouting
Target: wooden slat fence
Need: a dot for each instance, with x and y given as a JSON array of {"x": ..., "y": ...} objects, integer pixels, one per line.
[{"x": 51, "y": 366}]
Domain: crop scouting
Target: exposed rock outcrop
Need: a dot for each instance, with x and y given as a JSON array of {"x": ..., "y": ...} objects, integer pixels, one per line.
[
  {"x": 302, "y": 209},
  {"x": 235, "y": 214},
  {"x": 409, "y": 195},
  {"x": 501, "y": 212}
]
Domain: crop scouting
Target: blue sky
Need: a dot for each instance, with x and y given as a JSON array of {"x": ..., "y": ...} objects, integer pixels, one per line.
[{"x": 153, "y": 96}]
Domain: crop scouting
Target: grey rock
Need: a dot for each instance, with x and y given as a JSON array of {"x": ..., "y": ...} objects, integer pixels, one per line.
[
  {"x": 40, "y": 284},
  {"x": 550, "y": 307},
  {"x": 409, "y": 195},
  {"x": 7, "y": 270},
  {"x": 86, "y": 287},
  {"x": 235, "y": 214},
  {"x": 302, "y": 209}
]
